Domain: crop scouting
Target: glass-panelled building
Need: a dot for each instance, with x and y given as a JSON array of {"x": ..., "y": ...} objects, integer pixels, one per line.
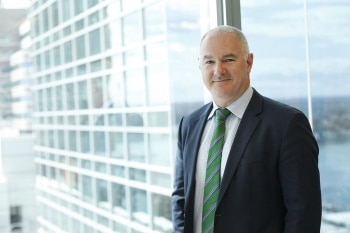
[{"x": 105, "y": 109}]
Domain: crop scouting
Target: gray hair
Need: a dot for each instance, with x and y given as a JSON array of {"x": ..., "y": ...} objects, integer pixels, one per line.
[{"x": 229, "y": 29}]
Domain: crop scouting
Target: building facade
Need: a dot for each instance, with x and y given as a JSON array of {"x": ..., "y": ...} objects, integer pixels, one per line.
[{"x": 105, "y": 108}]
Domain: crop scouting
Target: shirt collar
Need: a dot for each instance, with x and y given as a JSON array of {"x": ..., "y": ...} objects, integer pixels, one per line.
[{"x": 238, "y": 107}]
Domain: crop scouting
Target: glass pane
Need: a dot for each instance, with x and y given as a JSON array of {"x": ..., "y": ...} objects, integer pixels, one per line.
[
  {"x": 138, "y": 203},
  {"x": 119, "y": 200},
  {"x": 135, "y": 87},
  {"x": 70, "y": 96},
  {"x": 160, "y": 179},
  {"x": 117, "y": 170},
  {"x": 116, "y": 142},
  {"x": 87, "y": 188},
  {"x": 85, "y": 141},
  {"x": 134, "y": 119},
  {"x": 161, "y": 209},
  {"x": 82, "y": 95},
  {"x": 136, "y": 147},
  {"x": 156, "y": 51},
  {"x": 115, "y": 119},
  {"x": 277, "y": 37},
  {"x": 137, "y": 174},
  {"x": 80, "y": 47},
  {"x": 133, "y": 56},
  {"x": 154, "y": 20},
  {"x": 157, "y": 85},
  {"x": 329, "y": 62},
  {"x": 159, "y": 146},
  {"x": 72, "y": 139},
  {"x": 97, "y": 92},
  {"x": 95, "y": 42},
  {"x": 78, "y": 6},
  {"x": 55, "y": 15},
  {"x": 116, "y": 88},
  {"x": 68, "y": 52},
  {"x": 102, "y": 194},
  {"x": 132, "y": 28},
  {"x": 99, "y": 143},
  {"x": 93, "y": 18},
  {"x": 158, "y": 119}
]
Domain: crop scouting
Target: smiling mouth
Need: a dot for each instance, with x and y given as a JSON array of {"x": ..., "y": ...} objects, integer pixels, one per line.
[{"x": 221, "y": 80}]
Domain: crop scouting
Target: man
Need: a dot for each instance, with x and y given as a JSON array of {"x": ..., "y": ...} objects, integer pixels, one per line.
[{"x": 269, "y": 178}]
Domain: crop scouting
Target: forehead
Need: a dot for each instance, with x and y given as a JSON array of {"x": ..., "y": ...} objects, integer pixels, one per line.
[{"x": 217, "y": 44}]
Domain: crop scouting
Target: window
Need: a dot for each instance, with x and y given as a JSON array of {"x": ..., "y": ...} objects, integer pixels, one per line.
[
  {"x": 119, "y": 200},
  {"x": 159, "y": 145},
  {"x": 162, "y": 213},
  {"x": 66, "y": 9},
  {"x": 134, "y": 87},
  {"x": 80, "y": 47},
  {"x": 139, "y": 209},
  {"x": 68, "y": 56},
  {"x": 136, "y": 147},
  {"x": 55, "y": 15},
  {"x": 82, "y": 93},
  {"x": 95, "y": 42},
  {"x": 78, "y": 6},
  {"x": 116, "y": 143},
  {"x": 102, "y": 195},
  {"x": 132, "y": 28},
  {"x": 281, "y": 44},
  {"x": 87, "y": 188},
  {"x": 154, "y": 17}
]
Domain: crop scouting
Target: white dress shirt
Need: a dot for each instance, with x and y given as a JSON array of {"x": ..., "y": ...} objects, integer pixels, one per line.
[{"x": 237, "y": 109}]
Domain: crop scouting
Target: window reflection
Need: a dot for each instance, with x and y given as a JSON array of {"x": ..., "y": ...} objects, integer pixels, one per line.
[
  {"x": 330, "y": 85},
  {"x": 162, "y": 213},
  {"x": 139, "y": 206},
  {"x": 119, "y": 200},
  {"x": 116, "y": 145},
  {"x": 159, "y": 146},
  {"x": 102, "y": 195},
  {"x": 154, "y": 18},
  {"x": 132, "y": 28},
  {"x": 135, "y": 87},
  {"x": 136, "y": 147}
]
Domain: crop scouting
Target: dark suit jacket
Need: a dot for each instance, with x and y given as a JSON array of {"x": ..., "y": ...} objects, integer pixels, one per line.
[{"x": 271, "y": 182}]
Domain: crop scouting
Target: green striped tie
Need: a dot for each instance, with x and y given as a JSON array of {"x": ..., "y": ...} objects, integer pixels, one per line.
[{"x": 212, "y": 176}]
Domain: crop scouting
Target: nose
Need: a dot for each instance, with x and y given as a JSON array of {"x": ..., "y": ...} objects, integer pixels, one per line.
[{"x": 219, "y": 69}]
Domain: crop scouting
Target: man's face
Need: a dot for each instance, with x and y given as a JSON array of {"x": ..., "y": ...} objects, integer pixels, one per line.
[{"x": 225, "y": 67}]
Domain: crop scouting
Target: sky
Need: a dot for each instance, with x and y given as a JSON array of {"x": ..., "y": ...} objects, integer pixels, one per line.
[{"x": 15, "y": 3}]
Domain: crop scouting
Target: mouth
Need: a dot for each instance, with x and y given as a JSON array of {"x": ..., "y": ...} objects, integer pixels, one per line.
[{"x": 220, "y": 81}]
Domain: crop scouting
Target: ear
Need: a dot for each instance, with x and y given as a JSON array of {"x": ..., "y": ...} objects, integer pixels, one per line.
[{"x": 250, "y": 59}]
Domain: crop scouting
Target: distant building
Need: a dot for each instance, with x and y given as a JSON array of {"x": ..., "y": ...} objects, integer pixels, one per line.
[
  {"x": 111, "y": 79},
  {"x": 17, "y": 183},
  {"x": 10, "y": 21},
  {"x": 21, "y": 85},
  {"x": 17, "y": 168}
]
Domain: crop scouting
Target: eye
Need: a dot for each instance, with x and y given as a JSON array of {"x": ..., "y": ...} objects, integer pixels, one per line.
[
  {"x": 230, "y": 60},
  {"x": 209, "y": 62}
]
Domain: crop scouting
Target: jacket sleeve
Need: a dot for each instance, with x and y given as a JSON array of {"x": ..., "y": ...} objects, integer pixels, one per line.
[
  {"x": 178, "y": 196},
  {"x": 299, "y": 175}
]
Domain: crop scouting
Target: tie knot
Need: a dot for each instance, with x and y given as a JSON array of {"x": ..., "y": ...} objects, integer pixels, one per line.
[{"x": 222, "y": 113}]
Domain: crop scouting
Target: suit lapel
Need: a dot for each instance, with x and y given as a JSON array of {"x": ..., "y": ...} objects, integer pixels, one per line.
[{"x": 245, "y": 130}]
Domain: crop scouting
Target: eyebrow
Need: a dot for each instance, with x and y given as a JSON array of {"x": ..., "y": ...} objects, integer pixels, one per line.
[{"x": 230, "y": 55}]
